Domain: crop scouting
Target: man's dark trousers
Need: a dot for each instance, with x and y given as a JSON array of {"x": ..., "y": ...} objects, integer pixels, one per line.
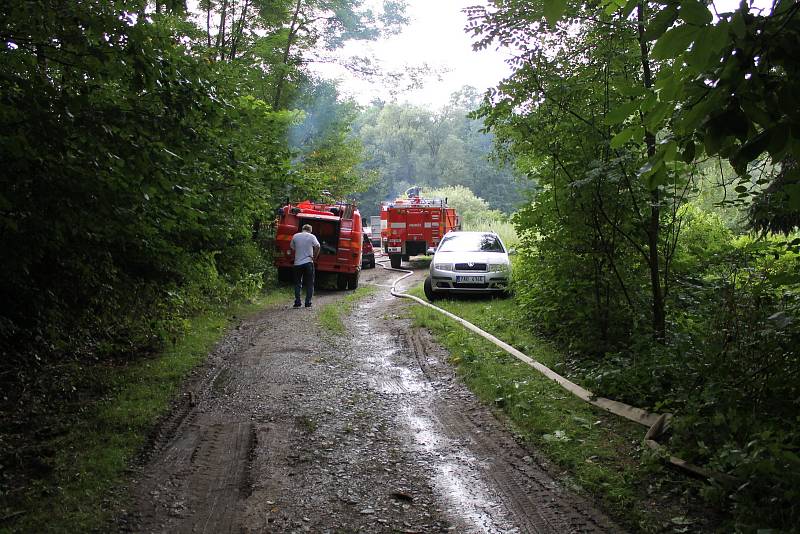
[{"x": 304, "y": 276}]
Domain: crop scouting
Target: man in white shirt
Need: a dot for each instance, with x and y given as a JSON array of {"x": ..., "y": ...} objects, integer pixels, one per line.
[{"x": 306, "y": 249}]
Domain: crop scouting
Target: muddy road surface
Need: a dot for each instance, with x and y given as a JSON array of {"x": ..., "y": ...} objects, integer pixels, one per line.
[{"x": 290, "y": 428}]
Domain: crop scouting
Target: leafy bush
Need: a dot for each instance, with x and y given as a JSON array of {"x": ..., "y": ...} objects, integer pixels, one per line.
[
  {"x": 573, "y": 283},
  {"x": 730, "y": 370},
  {"x": 704, "y": 240},
  {"x": 729, "y": 367},
  {"x": 137, "y": 209}
]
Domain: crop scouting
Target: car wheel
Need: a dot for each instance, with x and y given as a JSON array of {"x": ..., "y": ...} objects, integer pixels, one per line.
[
  {"x": 429, "y": 292},
  {"x": 372, "y": 264}
]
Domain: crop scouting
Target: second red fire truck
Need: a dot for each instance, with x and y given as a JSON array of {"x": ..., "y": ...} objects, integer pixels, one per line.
[{"x": 410, "y": 226}]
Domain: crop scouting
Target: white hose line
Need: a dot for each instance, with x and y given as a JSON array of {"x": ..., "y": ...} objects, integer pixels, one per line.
[{"x": 656, "y": 423}]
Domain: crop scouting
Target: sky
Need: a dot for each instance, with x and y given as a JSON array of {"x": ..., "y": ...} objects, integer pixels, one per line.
[{"x": 436, "y": 36}]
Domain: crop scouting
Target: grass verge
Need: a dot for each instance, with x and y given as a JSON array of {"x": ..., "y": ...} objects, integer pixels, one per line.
[
  {"x": 601, "y": 454},
  {"x": 87, "y": 457},
  {"x": 330, "y": 315}
]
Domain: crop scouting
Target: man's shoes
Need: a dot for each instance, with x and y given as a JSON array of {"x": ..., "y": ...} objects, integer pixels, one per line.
[
  {"x": 296, "y": 305},
  {"x": 308, "y": 304}
]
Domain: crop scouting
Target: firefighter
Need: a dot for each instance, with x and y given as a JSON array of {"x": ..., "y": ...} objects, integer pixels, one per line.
[{"x": 306, "y": 249}]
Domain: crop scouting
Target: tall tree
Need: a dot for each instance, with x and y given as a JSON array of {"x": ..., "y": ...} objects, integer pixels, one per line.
[
  {"x": 327, "y": 156},
  {"x": 576, "y": 77}
]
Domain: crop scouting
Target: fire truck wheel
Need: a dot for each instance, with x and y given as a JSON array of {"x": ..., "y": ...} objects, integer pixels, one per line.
[
  {"x": 341, "y": 281},
  {"x": 429, "y": 292},
  {"x": 352, "y": 282},
  {"x": 394, "y": 259}
]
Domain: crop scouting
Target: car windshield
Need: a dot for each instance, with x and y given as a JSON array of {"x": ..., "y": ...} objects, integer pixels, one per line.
[{"x": 471, "y": 243}]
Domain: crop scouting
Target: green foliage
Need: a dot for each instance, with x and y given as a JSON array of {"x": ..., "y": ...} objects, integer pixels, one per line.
[
  {"x": 729, "y": 371},
  {"x": 553, "y": 9},
  {"x": 704, "y": 239},
  {"x": 732, "y": 82},
  {"x": 327, "y": 156},
  {"x": 469, "y": 207},
  {"x": 174, "y": 176}
]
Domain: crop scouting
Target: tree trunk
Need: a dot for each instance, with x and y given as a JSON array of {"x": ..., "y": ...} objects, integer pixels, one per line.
[
  {"x": 223, "y": 18},
  {"x": 654, "y": 225},
  {"x": 236, "y": 33},
  {"x": 659, "y": 318},
  {"x": 208, "y": 24},
  {"x": 276, "y": 101}
]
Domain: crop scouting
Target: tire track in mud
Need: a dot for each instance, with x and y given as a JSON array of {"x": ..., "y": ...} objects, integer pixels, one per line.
[
  {"x": 199, "y": 479},
  {"x": 195, "y": 471}
]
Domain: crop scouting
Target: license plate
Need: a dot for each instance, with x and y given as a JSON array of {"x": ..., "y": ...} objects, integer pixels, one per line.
[
  {"x": 469, "y": 279},
  {"x": 395, "y": 249}
]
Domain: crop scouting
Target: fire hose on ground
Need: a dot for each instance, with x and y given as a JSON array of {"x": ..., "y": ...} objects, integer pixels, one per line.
[{"x": 656, "y": 424}]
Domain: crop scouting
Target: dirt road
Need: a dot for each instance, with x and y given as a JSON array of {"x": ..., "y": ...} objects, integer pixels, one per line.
[{"x": 289, "y": 428}]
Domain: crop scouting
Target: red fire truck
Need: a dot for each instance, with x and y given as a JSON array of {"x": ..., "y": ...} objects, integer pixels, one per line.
[
  {"x": 409, "y": 226},
  {"x": 338, "y": 229}
]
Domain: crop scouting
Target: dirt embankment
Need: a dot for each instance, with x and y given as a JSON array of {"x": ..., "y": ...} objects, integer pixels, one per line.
[{"x": 289, "y": 428}]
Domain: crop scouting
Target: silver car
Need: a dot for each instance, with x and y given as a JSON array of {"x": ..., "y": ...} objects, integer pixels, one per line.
[{"x": 468, "y": 262}]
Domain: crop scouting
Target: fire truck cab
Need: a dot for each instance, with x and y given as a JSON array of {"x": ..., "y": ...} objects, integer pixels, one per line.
[
  {"x": 410, "y": 226},
  {"x": 338, "y": 229}
]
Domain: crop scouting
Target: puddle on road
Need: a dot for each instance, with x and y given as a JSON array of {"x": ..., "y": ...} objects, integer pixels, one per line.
[
  {"x": 377, "y": 355},
  {"x": 389, "y": 377},
  {"x": 457, "y": 476}
]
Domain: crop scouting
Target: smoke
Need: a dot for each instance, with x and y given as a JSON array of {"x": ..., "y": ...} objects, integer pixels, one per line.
[{"x": 322, "y": 116}]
